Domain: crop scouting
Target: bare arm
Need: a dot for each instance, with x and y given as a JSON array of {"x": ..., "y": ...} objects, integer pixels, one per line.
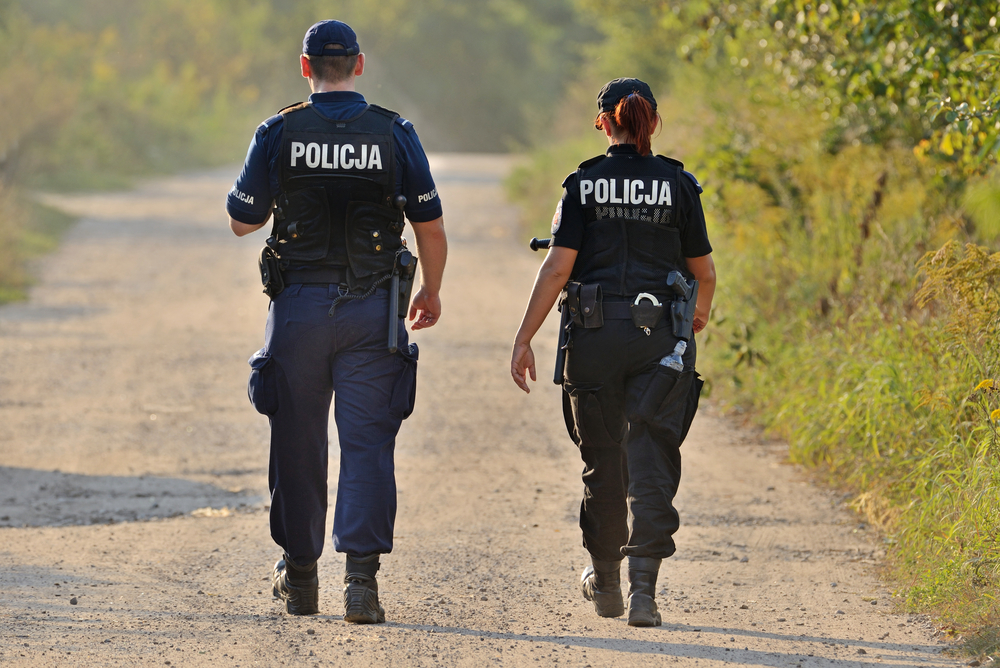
[
  {"x": 551, "y": 279},
  {"x": 243, "y": 229},
  {"x": 703, "y": 269},
  {"x": 432, "y": 252}
]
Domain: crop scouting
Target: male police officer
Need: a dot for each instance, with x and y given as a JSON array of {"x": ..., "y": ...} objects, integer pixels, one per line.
[{"x": 339, "y": 174}]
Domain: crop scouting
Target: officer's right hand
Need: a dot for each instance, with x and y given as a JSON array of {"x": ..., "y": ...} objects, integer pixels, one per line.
[
  {"x": 426, "y": 308},
  {"x": 522, "y": 365}
]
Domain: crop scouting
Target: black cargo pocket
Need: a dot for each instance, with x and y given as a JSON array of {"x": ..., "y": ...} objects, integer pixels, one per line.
[
  {"x": 666, "y": 405},
  {"x": 305, "y": 232},
  {"x": 588, "y": 418},
  {"x": 692, "y": 404},
  {"x": 404, "y": 393},
  {"x": 262, "y": 387},
  {"x": 371, "y": 243}
]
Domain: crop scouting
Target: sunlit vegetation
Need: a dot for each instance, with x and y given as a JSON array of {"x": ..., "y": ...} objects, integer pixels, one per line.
[
  {"x": 95, "y": 93},
  {"x": 848, "y": 153}
]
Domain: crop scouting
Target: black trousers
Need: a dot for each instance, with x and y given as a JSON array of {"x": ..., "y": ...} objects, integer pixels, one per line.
[{"x": 629, "y": 415}]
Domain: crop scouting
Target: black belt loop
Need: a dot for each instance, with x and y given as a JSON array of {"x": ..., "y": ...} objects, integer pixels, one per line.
[{"x": 322, "y": 275}]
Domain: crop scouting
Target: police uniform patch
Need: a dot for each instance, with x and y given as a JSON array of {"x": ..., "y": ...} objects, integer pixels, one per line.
[{"x": 557, "y": 218}]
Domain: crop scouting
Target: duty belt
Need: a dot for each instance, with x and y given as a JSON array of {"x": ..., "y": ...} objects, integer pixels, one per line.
[
  {"x": 622, "y": 310},
  {"x": 323, "y": 275}
]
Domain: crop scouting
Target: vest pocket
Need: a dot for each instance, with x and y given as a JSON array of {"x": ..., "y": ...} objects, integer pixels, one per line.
[
  {"x": 371, "y": 243},
  {"x": 262, "y": 387},
  {"x": 404, "y": 393},
  {"x": 305, "y": 233},
  {"x": 669, "y": 403}
]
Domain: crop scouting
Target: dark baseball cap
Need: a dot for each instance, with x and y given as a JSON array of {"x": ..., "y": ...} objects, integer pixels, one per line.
[
  {"x": 330, "y": 38},
  {"x": 616, "y": 89}
]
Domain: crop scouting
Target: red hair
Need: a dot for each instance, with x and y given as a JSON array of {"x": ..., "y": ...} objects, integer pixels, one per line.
[{"x": 635, "y": 118}]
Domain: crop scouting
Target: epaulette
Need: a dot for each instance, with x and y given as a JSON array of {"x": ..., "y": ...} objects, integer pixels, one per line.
[
  {"x": 693, "y": 180},
  {"x": 566, "y": 180},
  {"x": 269, "y": 122},
  {"x": 405, "y": 124}
]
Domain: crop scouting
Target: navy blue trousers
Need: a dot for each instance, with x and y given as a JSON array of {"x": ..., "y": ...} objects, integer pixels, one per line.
[{"x": 308, "y": 359}]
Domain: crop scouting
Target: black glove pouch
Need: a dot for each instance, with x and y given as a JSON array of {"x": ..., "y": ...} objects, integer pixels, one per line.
[{"x": 585, "y": 304}]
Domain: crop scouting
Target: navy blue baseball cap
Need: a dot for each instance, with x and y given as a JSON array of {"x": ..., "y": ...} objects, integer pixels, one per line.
[
  {"x": 330, "y": 38},
  {"x": 616, "y": 89}
]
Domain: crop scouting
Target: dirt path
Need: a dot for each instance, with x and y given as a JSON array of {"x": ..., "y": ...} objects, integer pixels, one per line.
[{"x": 133, "y": 485}]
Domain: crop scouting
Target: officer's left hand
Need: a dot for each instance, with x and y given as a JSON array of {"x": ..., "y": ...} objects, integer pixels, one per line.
[
  {"x": 522, "y": 365},
  {"x": 428, "y": 306}
]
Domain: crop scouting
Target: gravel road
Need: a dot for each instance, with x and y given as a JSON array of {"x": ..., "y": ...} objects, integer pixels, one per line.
[{"x": 133, "y": 479}]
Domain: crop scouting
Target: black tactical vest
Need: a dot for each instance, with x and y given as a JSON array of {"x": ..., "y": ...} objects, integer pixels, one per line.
[
  {"x": 338, "y": 178},
  {"x": 630, "y": 239}
]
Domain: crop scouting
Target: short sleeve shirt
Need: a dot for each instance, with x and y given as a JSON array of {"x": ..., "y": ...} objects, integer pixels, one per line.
[
  {"x": 569, "y": 221},
  {"x": 258, "y": 185}
]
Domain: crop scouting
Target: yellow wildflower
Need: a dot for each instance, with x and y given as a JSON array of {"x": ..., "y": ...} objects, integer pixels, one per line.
[
  {"x": 995, "y": 415},
  {"x": 984, "y": 385}
]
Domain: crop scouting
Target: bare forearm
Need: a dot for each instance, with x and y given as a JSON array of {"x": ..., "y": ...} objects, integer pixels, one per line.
[
  {"x": 703, "y": 269},
  {"x": 432, "y": 251},
  {"x": 243, "y": 229},
  {"x": 551, "y": 279}
]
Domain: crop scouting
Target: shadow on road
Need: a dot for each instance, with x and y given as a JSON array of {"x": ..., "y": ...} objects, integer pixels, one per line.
[{"x": 33, "y": 498}]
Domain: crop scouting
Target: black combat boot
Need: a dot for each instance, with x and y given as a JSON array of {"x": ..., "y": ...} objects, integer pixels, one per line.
[
  {"x": 361, "y": 591},
  {"x": 298, "y": 587},
  {"x": 642, "y": 572},
  {"x": 602, "y": 584}
]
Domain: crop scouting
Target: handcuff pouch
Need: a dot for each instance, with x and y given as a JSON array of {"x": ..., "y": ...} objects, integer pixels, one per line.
[{"x": 646, "y": 314}]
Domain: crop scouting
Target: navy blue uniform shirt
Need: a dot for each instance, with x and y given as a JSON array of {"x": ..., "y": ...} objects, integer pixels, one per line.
[
  {"x": 257, "y": 186},
  {"x": 569, "y": 221}
]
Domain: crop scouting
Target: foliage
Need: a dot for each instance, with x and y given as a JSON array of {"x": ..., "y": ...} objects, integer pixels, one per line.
[
  {"x": 91, "y": 90},
  {"x": 94, "y": 93},
  {"x": 839, "y": 142}
]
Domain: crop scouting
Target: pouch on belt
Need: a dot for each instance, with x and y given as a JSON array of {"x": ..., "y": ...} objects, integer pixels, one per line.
[{"x": 584, "y": 301}]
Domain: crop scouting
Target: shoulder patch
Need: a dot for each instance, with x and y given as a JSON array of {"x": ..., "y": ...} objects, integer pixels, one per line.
[
  {"x": 571, "y": 176},
  {"x": 676, "y": 163},
  {"x": 593, "y": 161},
  {"x": 691, "y": 176},
  {"x": 405, "y": 124}
]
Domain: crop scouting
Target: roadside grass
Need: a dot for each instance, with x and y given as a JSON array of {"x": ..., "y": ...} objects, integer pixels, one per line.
[{"x": 28, "y": 230}]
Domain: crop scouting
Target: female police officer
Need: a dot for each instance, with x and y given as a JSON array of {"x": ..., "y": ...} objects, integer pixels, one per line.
[{"x": 626, "y": 221}]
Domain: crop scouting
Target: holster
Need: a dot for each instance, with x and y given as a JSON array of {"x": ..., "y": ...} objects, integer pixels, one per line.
[
  {"x": 682, "y": 314},
  {"x": 270, "y": 272},
  {"x": 585, "y": 304}
]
